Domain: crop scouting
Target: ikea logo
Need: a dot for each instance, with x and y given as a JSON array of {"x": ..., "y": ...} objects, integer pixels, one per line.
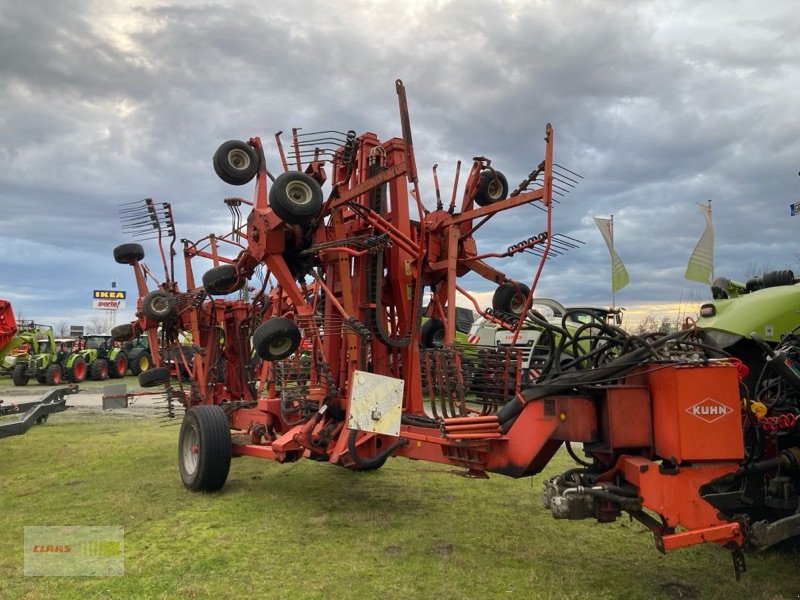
[{"x": 109, "y": 295}]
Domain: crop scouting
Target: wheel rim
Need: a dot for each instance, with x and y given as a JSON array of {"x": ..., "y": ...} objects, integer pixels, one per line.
[
  {"x": 280, "y": 346},
  {"x": 495, "y": 188},
  {"x": 239, "y": 159},
  {"x": 299, "y": 192},
  {"x": 57, "y": 376},
  {"x": 160, "y": 305},
  {"x": 190, "y": 448},
  {"x": 121, "y": 366},
  {"x": 143, "y": 363},
  {"x": 517, "y": 302},
  {"x": 80, "y": 370}
]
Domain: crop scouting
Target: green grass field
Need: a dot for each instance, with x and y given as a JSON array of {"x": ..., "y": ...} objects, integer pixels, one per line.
[{"x": 312, "y": 530}]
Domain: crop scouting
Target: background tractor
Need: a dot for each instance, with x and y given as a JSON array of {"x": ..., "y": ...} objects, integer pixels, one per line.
[{"x": 104, "y": 357}]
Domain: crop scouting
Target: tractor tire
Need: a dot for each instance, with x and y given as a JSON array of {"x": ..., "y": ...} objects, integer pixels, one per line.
[
  {"x": 492, "y": 187},
  {"x": 295, "y": 197},
  {"x": 432, "y": 334},
  {"x": 54, "y": 374},
  {"x": 41, "y": 379},
  {"x": 140, "y": 362},
  {"x": 118, "y": 366},
  {"x": 222, "y": 280},
  {"x": 78, "y": 371},
  {"x": 98, "y": 370},
  {"x": 159, "y": 305},
  {"x": 128, "y": 254},
  {"x": 204, "y": 448},
  {"x": 154, "y": 377},
  {"x": 235, "y": 162},
  {"x": 122, "y": 333},
  {"x": 19, "y": 375},
  {"x": 276, "y": 338},
  {"x": 510, "y": 298}
]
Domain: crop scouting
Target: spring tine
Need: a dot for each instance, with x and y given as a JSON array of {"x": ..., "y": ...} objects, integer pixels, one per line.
[{"x": 578, "y": 175}]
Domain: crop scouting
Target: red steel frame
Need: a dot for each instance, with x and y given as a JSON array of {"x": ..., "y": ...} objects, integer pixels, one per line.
[{"x": 428, "y": 249}]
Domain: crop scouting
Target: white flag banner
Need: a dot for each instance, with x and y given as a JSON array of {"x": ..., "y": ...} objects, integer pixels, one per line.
[
  {"x": 619, "y": 274},
  {"x": 701, "y": 262}
]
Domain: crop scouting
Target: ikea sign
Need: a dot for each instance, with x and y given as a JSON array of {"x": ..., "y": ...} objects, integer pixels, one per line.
[
  {"x": 108, "y": 299},
  {"x": 109, "y": 294}
]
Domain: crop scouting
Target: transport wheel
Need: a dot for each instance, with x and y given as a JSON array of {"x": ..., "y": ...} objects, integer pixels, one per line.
[
  {"x": 98, "y": 370},
  {"x": 78, "y": 371},
  {"x": 235, "y": 162},
  {"x": 432, "y": 334},
  {"x": 154, "y": 377},
  {"x": 276, "y": 339},
  {"x": 204, "y": 448},
  {"x": 510, "y": 298},
  {"x": 295, "y": 197},
  {"x": 127, "y": 254},
  {"x": 19, "y": 375},
  {"x": 140, "y": 362},
  {"x": 118, "y": 366},
  {"x": 54, "y": 374},
  {"x": 222, "y": 280},
  {"x": 159, "y": 305},
  {"x": 122, "y": 333},
  {"x": 492, "y": 187}
]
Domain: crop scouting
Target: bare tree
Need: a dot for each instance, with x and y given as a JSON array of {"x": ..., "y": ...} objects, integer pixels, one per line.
[
  {"x": 61, "y": 329},
  {"x": 648, "y": 325},
  {"x": 101, "y": 323}
]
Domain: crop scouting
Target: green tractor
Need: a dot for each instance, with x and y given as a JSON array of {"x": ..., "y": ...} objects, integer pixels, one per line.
[
  {"x": 749, "y": 319},
  {"x": 138, "y": 353},
  {"x": 48, "y": 360},
  {"x": 104, "y": 357}
]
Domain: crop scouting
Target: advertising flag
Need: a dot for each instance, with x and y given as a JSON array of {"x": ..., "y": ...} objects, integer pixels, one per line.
[
  {"x": 701, "y": 262},
  {"x": 619, "y": 274}
]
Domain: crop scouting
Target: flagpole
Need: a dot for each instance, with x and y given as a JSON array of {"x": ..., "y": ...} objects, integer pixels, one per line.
[
  {"x": 710, "y": 220},
  {"x": 613, "y": 293}
]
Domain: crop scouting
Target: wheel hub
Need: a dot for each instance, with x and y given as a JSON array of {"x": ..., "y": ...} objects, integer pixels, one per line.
[
  {"x": 299, "y": 192},
  {"x": 239, "y": 159}
]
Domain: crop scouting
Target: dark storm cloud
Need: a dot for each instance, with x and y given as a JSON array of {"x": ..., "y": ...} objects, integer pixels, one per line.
[{"x": 658, "y": 106}]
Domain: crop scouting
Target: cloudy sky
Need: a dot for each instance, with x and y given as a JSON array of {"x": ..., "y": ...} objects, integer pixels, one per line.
[{"x": 658, "y": 105}]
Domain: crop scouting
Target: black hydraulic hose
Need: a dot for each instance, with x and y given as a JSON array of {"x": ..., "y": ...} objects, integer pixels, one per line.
[
  {"x": 376, "y": 461},
  {"x": 569, "y": 380}
]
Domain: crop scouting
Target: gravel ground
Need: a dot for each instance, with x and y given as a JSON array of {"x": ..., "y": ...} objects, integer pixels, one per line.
[{"x": 89, "y": 396}]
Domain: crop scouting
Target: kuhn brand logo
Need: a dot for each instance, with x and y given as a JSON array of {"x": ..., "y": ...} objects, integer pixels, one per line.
[{"x": 709, "y": 410}]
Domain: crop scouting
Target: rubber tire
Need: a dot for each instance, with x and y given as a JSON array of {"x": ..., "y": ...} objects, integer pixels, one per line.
[
  {"x": 118, "y": 367},
  {"x": 154, "y": 377},
  {"x": 128, "y": 254},
  {"x": 222, "y": 280},
  {"x": 54, "y": 374},
  {"x": 19, "y": 375},
  {"x": 122, "y": 333},
  {"x": 98, "y": 370},
  {"x": 509, "y": 298},
  {"x": 135, "y": 362},
  {"x": 78, "y": 371},
  {"x": 235, "y": 162},
  {"x": 206, "y": 435},
  {"x": 276, "y": 338},
  {"x": 432, "y": 334},
  {"x": 777, "y": 278},
  {"x": 489, "y": 191},
  {"x": 159, "y": 305},
  {"x": 295, "y": 197}
]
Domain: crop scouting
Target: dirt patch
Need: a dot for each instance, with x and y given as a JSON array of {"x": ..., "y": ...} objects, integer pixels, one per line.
[{"x": 680, "y": 590}]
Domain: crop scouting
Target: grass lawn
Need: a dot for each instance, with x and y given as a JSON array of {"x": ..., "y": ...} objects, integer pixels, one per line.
[{"x": 312, "y": 530}]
